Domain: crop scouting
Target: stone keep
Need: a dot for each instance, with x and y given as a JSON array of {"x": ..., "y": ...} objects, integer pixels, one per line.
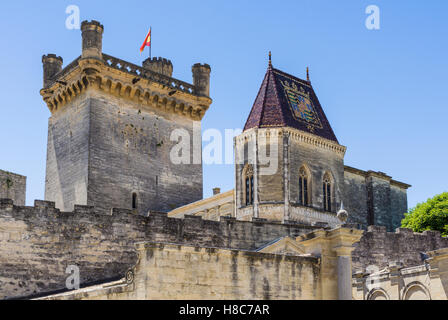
[{"x": 109, "y": 132}]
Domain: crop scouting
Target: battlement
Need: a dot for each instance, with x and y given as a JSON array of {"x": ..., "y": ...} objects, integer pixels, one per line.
[
  {"x": 52, "y": 65},
  {"x": 92, "y": 39},
  {"x": 86, "y": 24},
  {"x": 159, "y": 59},
  {"x": 41, "y": 204},
  {"x": 159, "y": 65},
  {"x": 102, "y": 245},
  {"x": 201, "y": 79},
  {"x": 379, "y": 247},
  {"x": 126, "y": 216},
  {"x": 99, "y": 71},
  {"x": 381, "y": 230},
  {"x": 49, "y": 56},
  {"x": 149, "y": 72},
  {"x": 204, "y": 66}
]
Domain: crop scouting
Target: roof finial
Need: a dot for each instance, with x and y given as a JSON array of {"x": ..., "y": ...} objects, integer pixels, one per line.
[
  {"x": 270, "y": 59},
  {"x": 307, "y": 74}
]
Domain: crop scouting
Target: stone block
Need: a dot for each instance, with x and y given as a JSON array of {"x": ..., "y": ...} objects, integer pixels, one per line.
[{"x": 44, "y": 204}]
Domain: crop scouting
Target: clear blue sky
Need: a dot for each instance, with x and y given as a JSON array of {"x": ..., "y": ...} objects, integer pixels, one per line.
[{"x": 384, "y": 92}]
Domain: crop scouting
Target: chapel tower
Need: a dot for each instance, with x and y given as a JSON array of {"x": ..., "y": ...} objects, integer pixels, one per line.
[
  {"x": 289, "y": 163},
  {"x": 290, "y": 166},
  {"x": 109, "y": 134}
]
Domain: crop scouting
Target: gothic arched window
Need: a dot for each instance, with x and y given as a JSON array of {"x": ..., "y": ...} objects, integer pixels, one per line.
[
  {"x": 248, "y": 180},
  {"x": 304, "y": 181},
  {"x": 327, "y": 192}
]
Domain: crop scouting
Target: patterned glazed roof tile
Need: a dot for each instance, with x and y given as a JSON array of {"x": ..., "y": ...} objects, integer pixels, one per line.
[{"x": 287, "y": 101}]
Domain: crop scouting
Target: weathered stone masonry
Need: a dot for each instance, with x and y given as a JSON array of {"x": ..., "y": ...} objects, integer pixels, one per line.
[
  {"x": 13, "y": 186},
  {"x": 374, "y": 198},
  {"x": 109, "y": 135},
  {"x": 109, "y": 147},
  {"x": 38, "y": 243},
  {"x": 380, "y": 248}
]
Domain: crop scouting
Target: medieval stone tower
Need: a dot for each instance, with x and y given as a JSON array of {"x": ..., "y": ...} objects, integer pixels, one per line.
[{"x": 110, "y": 127}]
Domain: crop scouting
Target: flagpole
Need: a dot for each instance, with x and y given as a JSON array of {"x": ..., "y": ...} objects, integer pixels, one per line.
[{"x": 150, "y": 44}]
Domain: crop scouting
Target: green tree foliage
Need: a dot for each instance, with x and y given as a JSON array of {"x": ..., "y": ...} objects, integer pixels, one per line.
[{"x": 430, "y": 215}]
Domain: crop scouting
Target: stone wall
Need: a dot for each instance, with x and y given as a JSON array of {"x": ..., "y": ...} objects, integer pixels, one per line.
[
  {"x": 66, "y": 180},
  {"x": 373, "y": 198},
  {"x": 102, "y": 150},
  {"x": 378, "y": 201},
  {"x": 398, "y": 204},
  {"x": 286, "y": 269},
  {"x": 379, "y": 247},
  {"x": 174, "y": 272},
  {"x": 355, "y": 198},
  {"x": 423, "y": 282},
  {"x": 295, "y": 150},
  {"x": 130, "y": 151},
  {"x": 180, "y": 272},
  {"x": 318, "y": 161},
  {"x": 13, "y": 186},
  {"x": 38, "y": 243}
]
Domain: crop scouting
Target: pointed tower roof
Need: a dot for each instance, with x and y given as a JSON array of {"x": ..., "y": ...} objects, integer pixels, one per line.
[{"x": 287, "y": 101}]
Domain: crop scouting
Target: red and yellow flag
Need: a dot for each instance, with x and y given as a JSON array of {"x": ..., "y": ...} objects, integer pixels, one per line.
[{"x": 147, "y": 42}]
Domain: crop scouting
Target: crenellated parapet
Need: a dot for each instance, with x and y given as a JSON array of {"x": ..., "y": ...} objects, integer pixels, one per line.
[
  {"x": 92, "y": 39},
  {"x": 201, "y": 79},
  {"x": 159, "y": 65},
  {"x": 125, "y": 80},
  {"x": 150, "y": 85},
  {"x": 102, "y": 245},
  {"x": 52, "y": 65},
  {"x": 378, "y": 247}
]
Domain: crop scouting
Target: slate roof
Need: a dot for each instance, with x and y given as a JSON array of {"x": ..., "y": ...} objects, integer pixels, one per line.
[{"x": 287, "y": 101}]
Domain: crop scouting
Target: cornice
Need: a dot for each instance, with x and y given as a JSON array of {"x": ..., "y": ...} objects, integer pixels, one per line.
[
  {"x": 294, "y": 135},
  {"x": 380, "y": 175}
]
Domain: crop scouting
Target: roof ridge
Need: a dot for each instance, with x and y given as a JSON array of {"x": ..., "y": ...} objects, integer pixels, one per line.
[
  {"x": 283, "y": 116},
  {"x": 324, "y": 116},
  {"x": 308, "y": 83},
  {"x": 260, "y": 92},
  {"x": 263, "y": 106}
]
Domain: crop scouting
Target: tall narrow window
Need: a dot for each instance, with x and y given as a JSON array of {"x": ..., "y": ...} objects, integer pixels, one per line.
[
  {"x": 248, "y": 178},
  {"x": 134, "y": 201},
  {"x": 248, "y": 193},
  {"x": 252, "y": 190},
  {"x": 303, "y": 187},
  {"x": 327, "y": 192}
]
